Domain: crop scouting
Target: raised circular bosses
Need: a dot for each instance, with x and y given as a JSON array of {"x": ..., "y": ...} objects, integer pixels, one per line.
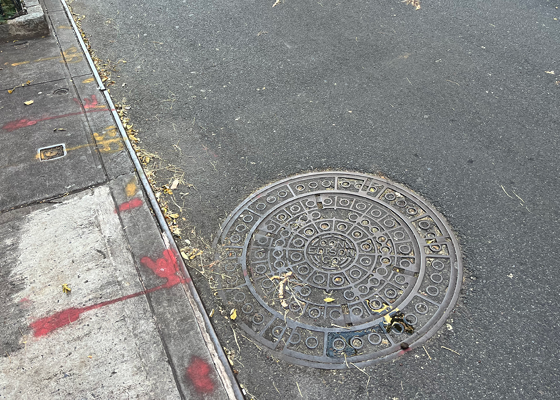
[
  {"x": 375, "y": 304},
  {"x": 411, "y": 319},
  {"x": 374, "y": 338},
  {"x": 295, "y": 338},
  {"x": 349, "y": 295},
  {"x": 356, "y": 342},
  {"x": 331, "y": 259},
  {"x": 312, "y": 342},
  {"x": 421, "y": 308},
  {"x": 247, "y": 308},
  {"x": 425, "y": 225},
  {"x": 432, "y": 290},
  {"x": 390, "y": 293},
  {"x": 229, "y": 267},
  {"x": 339, "y": 344},
  {"x": 436, "y": 278},
  {"x": 437, "y": 264},
  {"x": 390, "y": 196},
  {"x": 398, "y": 235},
  {"x": 319, "y": 278},
  {"x": 314, "y": 312},
  {"x": 361, "y": 206},
  {"x": 259, "y": 269},
  {"x": 258, "y": 318},
  {"x": 303, "y": 269},
  {"x": 239, "y": 297},
  {"x": 404, "y": 249},
  {"x": 296, "y": 257}
]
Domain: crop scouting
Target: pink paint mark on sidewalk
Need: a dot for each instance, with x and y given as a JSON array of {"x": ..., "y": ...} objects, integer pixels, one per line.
[
  {"x": 129, "y": 205},
  {"x": 22, "y": 123},
  {"x": 198, "y": 373},
  {"x": 165, "y": 267},
  {"x": 89, "y": 102}
]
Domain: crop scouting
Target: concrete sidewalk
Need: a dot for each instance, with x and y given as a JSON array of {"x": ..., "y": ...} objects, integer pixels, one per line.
[{"x": 94, "y": 302}]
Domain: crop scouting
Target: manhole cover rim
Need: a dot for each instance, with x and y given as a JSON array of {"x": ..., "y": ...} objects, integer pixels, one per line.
[{"x": 418, "y": 337}]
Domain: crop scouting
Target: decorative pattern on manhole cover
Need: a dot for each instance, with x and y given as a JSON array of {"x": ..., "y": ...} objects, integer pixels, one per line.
[{"x": 333, "y": 268}]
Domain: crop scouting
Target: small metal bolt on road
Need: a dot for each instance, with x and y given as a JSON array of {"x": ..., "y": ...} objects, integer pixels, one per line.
[{"x": 336, "y": 268}]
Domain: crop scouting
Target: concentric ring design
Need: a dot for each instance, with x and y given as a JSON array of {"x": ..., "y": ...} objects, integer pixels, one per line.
[{"x": 332, "y": 268}]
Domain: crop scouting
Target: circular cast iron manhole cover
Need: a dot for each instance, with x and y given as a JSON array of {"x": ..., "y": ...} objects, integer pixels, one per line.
[{"x": 333, "y": 268}]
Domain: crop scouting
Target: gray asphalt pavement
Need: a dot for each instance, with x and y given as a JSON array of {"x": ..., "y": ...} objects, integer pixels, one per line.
[{"x": 458, "y": 101}]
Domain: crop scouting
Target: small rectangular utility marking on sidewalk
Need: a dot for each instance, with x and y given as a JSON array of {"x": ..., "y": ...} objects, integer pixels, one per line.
[{"x": 52, "y": 152}]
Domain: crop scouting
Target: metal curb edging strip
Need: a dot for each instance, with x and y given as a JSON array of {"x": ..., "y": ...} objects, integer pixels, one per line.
[{"x": 220, "y": 360}]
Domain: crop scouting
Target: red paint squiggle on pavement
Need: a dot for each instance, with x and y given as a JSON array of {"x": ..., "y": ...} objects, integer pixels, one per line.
[
  {"x": 198, "y": 373},
  {"x": 22, "y": 123},
  {"x": 129, "y": 205},
  {"x": 165, "y": 267}
]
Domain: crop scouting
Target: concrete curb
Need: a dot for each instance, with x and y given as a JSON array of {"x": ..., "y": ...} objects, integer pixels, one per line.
[
  {"x": 28, "y": 26},
  {"x": 221, "y": 363}
]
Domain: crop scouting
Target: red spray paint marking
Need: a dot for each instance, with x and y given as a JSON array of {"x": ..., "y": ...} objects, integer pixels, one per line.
[
  {"x": 89, "y": 103},
  {"x": 165, "y": 267},
  {"x": 22, "y": 123},
  {"x": 129, "y": 205},
  {"x": 198, "y": 373}
]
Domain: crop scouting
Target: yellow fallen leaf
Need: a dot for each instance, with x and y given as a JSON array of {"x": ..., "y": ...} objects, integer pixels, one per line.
[
  {"x": 10, "y": 91},
  {"x": 28, "y": 103},
  {"x": 329, "y": 300},
  {"x": 233, "y": 314},
  {"x": 174, "y": 216}
]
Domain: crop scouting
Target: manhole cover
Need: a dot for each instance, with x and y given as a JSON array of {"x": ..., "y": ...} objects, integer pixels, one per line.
[{"x": 328, "y": 269}]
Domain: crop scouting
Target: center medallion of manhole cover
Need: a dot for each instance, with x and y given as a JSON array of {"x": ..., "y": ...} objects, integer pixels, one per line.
[{"x": 332, "y": 268}]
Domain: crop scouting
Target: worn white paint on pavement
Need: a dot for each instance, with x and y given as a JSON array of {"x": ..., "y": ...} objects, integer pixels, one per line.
[{"x": 110, "y": 352}]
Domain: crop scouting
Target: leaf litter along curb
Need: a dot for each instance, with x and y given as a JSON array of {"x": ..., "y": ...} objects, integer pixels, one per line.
[{"x": 151, "y": 162}]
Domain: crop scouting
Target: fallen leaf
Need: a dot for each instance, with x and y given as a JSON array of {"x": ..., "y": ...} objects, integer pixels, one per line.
[
  {"x": 174, "y": 184},
  {"x": 185, "y": 256},
  {"x": 549, "y": 72},
  {"x": 233, "y": 314},
  {"x": 28, "y": 103},
  {"x": 58, "y": 129},
  {"x": 10, "y": 91},
  {"x": 329, "y": 300},
  {"x": 174, "y": 216}
]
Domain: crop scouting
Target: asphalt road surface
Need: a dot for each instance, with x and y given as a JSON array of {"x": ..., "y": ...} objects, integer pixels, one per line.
[{"x": 458, "y": 101}]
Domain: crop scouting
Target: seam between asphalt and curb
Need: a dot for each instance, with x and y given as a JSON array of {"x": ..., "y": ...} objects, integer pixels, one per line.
[{"x": 209, "y": 335}]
